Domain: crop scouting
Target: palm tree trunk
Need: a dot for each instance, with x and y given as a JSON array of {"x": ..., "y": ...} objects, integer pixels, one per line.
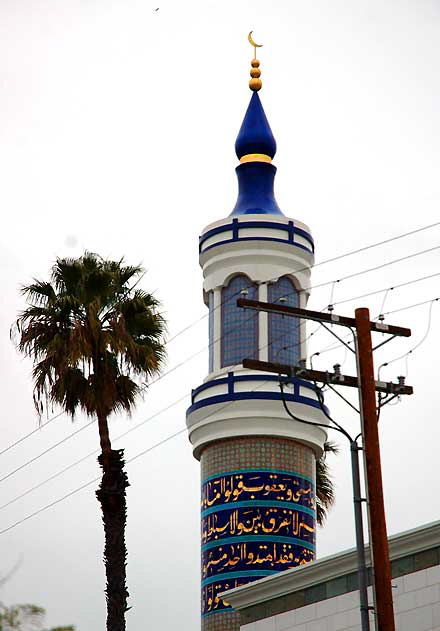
[
  {"x": 104, "y": 436},
  {"x": 112, "y": 497}
]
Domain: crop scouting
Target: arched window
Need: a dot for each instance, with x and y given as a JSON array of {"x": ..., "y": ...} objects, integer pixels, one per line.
[
  {"x": 239, "y": 326},
  {"x": 284, "y": 332}
]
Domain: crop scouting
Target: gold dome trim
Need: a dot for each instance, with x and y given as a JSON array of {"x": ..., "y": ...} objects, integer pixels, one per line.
[{"x": 255, "y": 157}]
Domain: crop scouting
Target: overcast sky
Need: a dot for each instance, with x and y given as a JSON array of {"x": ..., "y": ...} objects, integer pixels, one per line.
[{"x": 117, "y": 128}]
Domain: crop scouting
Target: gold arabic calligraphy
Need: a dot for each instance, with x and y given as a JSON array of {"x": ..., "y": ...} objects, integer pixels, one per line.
[{"x": 229, "y": 489}]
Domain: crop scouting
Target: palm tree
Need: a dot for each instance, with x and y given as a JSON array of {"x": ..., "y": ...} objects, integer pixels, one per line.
[
  {"x": 325, "y": 490},
  {"x": 92, "y": 336}
]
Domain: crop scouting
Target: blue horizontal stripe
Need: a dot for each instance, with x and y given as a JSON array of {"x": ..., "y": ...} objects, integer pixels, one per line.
[
  {"x": 221, "y": 543},
  {"x": 259, "y": 470},
  {"x": 259, "y": 504},
  {"x": 262, "y": 395},
  {"x": 236, "y": 378},
  {"x": 294, "y": 244},
  {"x": 249, "y": 573},
  {"x": 289, "y": 228}
]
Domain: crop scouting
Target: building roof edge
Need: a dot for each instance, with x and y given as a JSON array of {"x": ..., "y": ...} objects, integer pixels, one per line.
[{"x": 401, "y": 545}]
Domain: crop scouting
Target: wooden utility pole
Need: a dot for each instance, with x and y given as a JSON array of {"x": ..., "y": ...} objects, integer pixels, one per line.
[
  {"x": 367, "y": 388},
  {"x": 378, "y": 529}
]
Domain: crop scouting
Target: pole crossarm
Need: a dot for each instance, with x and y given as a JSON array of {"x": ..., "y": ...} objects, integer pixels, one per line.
[
  {"x": 318, "y": 316},
  {"x": 323, "y": 377}
]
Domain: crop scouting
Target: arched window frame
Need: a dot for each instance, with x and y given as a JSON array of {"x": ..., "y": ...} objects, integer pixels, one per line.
[{"x": 239, "y": 327}]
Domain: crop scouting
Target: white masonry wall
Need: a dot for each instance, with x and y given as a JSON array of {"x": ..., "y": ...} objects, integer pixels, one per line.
[{"x": 416, "y": 608}]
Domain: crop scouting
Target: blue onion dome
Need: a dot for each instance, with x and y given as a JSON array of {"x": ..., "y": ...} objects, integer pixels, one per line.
[
  {"x": 255, "y": 135},
  {"x": 255, "y": 147}
]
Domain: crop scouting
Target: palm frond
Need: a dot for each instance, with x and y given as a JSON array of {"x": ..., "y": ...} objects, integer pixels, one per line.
[
  {"x": 92, "y": 335},
  {"x": 325, "y": 490},
  {"x": 39, "y": 292}
]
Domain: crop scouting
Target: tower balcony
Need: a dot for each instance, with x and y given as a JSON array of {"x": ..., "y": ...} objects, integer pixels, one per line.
[
  {"x": 261, "y": 246},
  {"x": 250, "y": 404}
]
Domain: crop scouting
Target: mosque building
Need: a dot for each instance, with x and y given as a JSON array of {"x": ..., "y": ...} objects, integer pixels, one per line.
[
  {"x": 258, "y": 465},
  {"x": 258, "y": 513}
]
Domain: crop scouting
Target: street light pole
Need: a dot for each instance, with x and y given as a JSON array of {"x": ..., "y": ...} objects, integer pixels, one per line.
[
  {"x": 359, "y": 530},
  {"x": 357, "y": 506}
]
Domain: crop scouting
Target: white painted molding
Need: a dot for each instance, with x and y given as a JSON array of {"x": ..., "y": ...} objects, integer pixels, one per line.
[
  {"x": 260, "y": 260},
  {"x": 217, "y": 328},
  {"x": 254, "y": 417},
  {"x": 263, "y": 326},
  {"x": 316, "y": 572}
]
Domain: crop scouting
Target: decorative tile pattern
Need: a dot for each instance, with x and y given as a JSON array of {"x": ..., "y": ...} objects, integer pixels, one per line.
[
  {"x": 258, "y": 515},
  {"x": 261, "y": 452},
  {"x": 226, "y": 621}
]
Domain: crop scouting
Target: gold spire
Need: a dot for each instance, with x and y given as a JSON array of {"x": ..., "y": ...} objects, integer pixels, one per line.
[{"x": 255, "y": 83}]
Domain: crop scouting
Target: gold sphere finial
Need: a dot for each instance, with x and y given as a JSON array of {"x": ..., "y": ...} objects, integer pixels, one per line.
[{"x": 255, "y": 83}]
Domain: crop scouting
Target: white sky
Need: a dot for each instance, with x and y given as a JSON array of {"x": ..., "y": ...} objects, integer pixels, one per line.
[{"x": 117, "y": 126}]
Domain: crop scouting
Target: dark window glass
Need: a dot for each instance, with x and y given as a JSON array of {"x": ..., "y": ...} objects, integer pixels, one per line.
[
  {"x": 211, "y": 330},
  {"x": 239, "y": 326},
  {"x": 284, "y": 333}
]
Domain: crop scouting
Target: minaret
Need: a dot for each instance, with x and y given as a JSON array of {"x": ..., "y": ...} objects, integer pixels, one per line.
[{"x": 258, "y": 513}]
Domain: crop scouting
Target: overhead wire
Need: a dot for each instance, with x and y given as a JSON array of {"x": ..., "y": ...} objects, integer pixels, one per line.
[
  {"x": 128, "y": 461},
  {"x": 304, "y": 268},
  {"x": 198, "y": 352},
  {"x": 387, "y": 289},
  {"x": 43, "y": 453},
  {"x": 417, "y": 304},
  {"x": 335, "y": 345},
  {"x": 173, "y": 436},
  {"x": 408, "y": 353},
  {"x": 329, "y": 260},
  {"x": 92, "y": 453},
  {"x": 56, "y": 475},
  {"x": 375, "y": 268},
  {"x": 162, "y": 376},
  {"x": 37, "y": 429}
]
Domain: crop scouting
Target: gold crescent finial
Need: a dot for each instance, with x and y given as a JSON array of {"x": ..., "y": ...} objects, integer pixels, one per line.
[
  {"x": 255, "y": 83},
  {"x": 252, "y": 43}
]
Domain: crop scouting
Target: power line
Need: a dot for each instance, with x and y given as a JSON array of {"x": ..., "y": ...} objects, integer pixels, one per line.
[
  {"x": 361, "y": 272},
  {"x": 144, "y": 452},
  {"x": 428, "y": 328},
  {"x": 330, "y": 260},
  {"x": 377, "y": 267},
  {"x": 140, "y": 454},
  {"x": 28, "y": 462},
  {"x": 56, "y": 475},
  {"x": 92, "y": 453},
  {"x": 417, "y": 304},
  {"x": 37, "y": 429},
  {"x": 379, "y": 291},
  {"x": 195, "y": 354},
  {"x": 162, "y": 376},
  {"x": 235, "y": 327}
]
